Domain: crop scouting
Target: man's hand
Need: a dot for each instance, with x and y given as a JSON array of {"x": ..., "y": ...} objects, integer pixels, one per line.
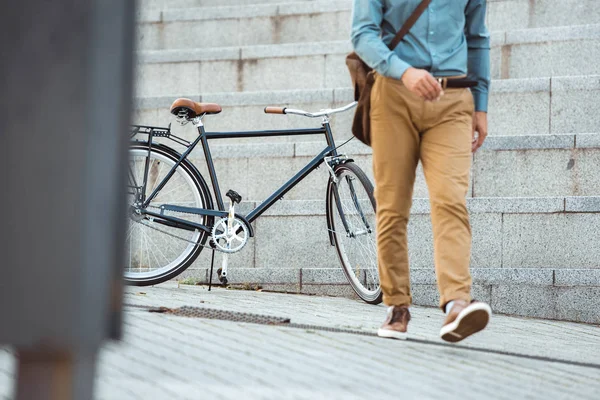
[
  {"x": 422, "y": 83},
  {"x": 479, "y": 126}
]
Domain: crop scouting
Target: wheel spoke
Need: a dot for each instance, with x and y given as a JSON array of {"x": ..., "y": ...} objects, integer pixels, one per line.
[
  {"x": 358, "y": 252},
  {"x": 155, "y": 249}
]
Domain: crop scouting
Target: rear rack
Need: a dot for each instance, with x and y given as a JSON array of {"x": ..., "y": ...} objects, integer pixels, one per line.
[{"x": 155, "y": 131}]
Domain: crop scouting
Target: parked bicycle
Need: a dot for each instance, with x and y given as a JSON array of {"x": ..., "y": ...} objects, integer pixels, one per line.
[{"x": 172, "y": 214}]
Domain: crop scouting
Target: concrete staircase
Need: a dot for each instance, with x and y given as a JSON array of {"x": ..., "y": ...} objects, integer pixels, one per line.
[{"x": 535, "y": 193}]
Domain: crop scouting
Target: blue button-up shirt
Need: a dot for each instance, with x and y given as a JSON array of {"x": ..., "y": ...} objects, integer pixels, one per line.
[{"x": 449, "y": 39}]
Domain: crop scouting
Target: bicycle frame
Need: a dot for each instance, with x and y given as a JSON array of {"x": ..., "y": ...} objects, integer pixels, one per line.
[{"x": 203, "y": 138}]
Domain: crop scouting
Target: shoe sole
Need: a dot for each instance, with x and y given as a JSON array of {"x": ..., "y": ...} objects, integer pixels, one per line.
[
  {"x": 471, "y": 320},
  {"x": 390, "y": 334}
]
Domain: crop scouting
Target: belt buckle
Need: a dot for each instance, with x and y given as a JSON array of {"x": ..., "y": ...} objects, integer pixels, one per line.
[{"x": 443, "y": 82}]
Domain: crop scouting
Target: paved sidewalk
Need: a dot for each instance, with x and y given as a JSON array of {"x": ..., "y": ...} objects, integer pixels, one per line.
[{"x": 164, "y": 356}]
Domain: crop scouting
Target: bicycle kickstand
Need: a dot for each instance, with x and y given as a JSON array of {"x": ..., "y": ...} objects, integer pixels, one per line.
[{"x": 212, "y": 263}]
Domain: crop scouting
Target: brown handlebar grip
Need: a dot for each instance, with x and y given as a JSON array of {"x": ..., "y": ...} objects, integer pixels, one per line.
[{"x": 275, "y": 110}]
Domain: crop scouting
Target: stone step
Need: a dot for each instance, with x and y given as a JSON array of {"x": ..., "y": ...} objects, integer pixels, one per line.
[
  {"x": 550, "y": 52},
  {"x": 551, "y": 293},
  {"x": 517, "y": 106},
  {"x": 507, "y": 166},
  {"x": 526, "y": 232},
  {"x": 175, "y": 25}
]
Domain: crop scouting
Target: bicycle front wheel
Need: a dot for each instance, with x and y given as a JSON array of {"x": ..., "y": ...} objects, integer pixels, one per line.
[
  {"x": 351, "y": 210},
  {"x": 156, "y": 252}
]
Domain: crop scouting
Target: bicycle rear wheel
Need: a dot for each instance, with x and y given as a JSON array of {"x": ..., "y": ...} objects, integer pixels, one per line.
[
  {"x": 351, "y": 211},
  {"x": 157, "y": 252}
]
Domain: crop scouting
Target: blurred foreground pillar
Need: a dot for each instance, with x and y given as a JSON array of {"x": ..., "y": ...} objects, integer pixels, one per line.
[{"x": 65, "y": 94}]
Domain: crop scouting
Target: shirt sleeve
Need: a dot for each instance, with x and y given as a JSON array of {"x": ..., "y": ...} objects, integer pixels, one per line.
[
  {"x": 478, "y": 42},
  {"x": 367, "y": 16}
]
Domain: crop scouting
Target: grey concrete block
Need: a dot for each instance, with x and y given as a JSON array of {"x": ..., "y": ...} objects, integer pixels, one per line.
[
  {"x": 578, "y": 304},
  {"x": 526, "y": 60},
  {"x": 589, "y": 140},
  {"x": 281, "y": 288},
  {"x": 577, "y": 277},
  {"x": 252, "y": 150},
  {"x": 582, "y": 204},
  {"x": 428, "y": 295},
  {"x": 486, "y": 250},
  {"x": 295, "y": 50},
  {"x": 586, "y": 162},
  {"x": 505, "y": 15},
  {"x": 167, "y": 79},
  {"x": 297, "y": 207},
  {"x": 221, "y": 76},
  {"x": 525, "y": 173},
  {"x": 149, "y": 37},
  {"x": 200, "y": 275},
  {"x": 294, "y": 25},
  {"x": 552, "y": 59},
  {"x": 519, "y": 113},
  {"x": 252, "y": 117},
  {"x": 515, "y": 205},
  {"x": 556, "y": 33},
  {"x": 335, "y": 77},
  {"x": 262, "y": 276},
  {"x": 529, "y": 142},
  {"x": 517, "y": 276},
  {"x": 559, "y": 12},
  {"x": 330, "y": 290},
  {"x": 575, "y": 101},
  {"x": 496, "y": 62},
  {"x": 551, "y": 240},
  {"x": 229, "y": 177},
  {"x": 146, "y": 117},
  {"x": 284, "y": 73},
  {"x": 352, "y": 148},
  {"x": 420, "y": 206},
  {"x": 324, "y": 276},
  {"x": 273, "y": 173},
  {"x": 148, "y": 15},
  {"x": 422, "y": 276},
  {"x": 284, "y": 243},
  {"x": 532, "y": 301},
  {"x": 192, "y": 34},
  {"x": 315, "y": 7},
  {"x": 531, "y": 85},
  {"x": 223, "y": 12},
  {"x": 258, "y": 30},
  {"x": 278, "y": 97},
  {"x": 189, "y": 55}
]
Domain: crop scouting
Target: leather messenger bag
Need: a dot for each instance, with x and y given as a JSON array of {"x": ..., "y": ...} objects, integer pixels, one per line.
[{"x": 363, "y": 78}]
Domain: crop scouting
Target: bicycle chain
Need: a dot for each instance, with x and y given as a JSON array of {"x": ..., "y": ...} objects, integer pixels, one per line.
[
  {"x": 173, "y": 235},
  {"x": 181, "y": 238}
]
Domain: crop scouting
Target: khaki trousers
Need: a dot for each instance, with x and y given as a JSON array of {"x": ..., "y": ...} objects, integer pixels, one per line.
[{"x": 404, "y": 129}]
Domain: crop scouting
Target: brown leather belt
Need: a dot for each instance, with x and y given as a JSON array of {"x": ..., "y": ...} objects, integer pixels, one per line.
[{"x": 456, "y": 83}]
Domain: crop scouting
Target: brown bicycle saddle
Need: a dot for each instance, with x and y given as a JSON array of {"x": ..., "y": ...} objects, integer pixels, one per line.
[{"x": 193, "y": 108}]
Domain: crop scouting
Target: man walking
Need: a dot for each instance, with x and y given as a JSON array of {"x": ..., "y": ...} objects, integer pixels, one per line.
[{"x": 419, "y": 111}]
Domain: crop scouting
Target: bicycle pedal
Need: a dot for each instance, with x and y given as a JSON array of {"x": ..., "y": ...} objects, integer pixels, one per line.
[{"x": 234, "y": 196}]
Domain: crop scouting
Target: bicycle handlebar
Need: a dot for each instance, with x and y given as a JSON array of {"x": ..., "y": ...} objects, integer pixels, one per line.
[
  {"x": 275, "y": 110},
  {"x": 322, "y": 113}
]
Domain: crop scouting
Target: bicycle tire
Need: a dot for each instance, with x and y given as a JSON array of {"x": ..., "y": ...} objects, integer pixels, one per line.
[
  {"x": 363, "y": 274},
  {"x": 190, "y": 174}
]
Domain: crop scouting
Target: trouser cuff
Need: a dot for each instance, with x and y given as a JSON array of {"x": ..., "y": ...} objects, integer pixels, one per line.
[
  {"x": 446, "y": 298},
  {"x": 397, "y": 300}
]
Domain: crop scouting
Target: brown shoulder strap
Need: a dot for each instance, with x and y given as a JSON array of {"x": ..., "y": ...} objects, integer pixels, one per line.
[{"x": 409, "y": 23}]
